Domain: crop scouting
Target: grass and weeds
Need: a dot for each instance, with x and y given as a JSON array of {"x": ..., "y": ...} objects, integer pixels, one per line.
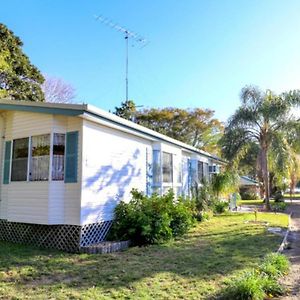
[
  {"x": 288, "y": 196},
  {"x": 260, "y": 283},
  {"x": 194, "y": 266},
  {"x": 252, "y": 202}
]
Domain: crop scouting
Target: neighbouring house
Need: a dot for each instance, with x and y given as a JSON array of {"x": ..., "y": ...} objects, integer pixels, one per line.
[
  {"x": 65, "y": 167},
  {"x": 249, "y": 185}
]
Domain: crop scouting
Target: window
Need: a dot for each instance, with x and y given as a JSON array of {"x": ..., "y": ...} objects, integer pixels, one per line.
[
  {"x": 200, "y": 171},
  {"x": 206, "y": 173},
  {"x": 19, "y": 160},
  {"x": 156, "y": 167},
  {"x": 40, "y": 158},
  {"x": 58, "y": 156},
  {"x": 179, "y": 171},
  {"x": 167, "y": 167}
]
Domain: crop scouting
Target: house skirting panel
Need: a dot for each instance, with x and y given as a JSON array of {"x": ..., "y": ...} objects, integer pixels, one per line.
[{"x": 62, "y": 237}]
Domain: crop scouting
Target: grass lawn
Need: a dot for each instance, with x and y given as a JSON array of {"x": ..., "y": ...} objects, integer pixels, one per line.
[
  {"x": 252, "y": 202},
  {"x": 287, "y": 196},
  {"x": 193, "y": 267}
]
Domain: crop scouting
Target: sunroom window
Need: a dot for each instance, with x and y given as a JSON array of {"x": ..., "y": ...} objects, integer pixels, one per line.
[
  {"x": 156, "y": 168},
  {"x": 167, "y": 167},
  {"x": 200, "y": 171},
  {"x": 40, "y": 158},
  {"x": 58, "y": 159},
  {"x": 19, "y": 160}
]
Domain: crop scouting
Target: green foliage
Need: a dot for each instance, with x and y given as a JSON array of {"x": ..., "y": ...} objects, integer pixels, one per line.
[
  {"x": 246, "y": 195},
  {"x": 260, "y": 283},
  {"x": 275, "y": 265},
  {"x": 151, "y": 220},
  {"x": 220, "y": 207},
  {"x": 264, "y": 119},
  {"x": 248, "y": 287},
  {"x": 279, "y": 206},
  {"x": 203, "y": 198},
  {"x": 224, "y": 183},
  {"x": 19, "y": 79},
  {"x": 127, "y": 110},
  {"x": 196, "y": 127},
  {"x": 278, "y": 197}
]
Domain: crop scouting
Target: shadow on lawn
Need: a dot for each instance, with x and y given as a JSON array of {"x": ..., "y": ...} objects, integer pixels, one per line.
[{"x": 198, "y": 256}]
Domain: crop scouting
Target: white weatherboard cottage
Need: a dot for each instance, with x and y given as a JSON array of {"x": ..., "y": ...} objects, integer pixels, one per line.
[{"x": 65, "y": 167}]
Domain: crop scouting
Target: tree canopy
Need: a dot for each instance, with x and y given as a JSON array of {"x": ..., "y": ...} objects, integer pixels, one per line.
[
  {"x": 19, "y": 79},
  {"x": 264, "y": 119},
  {"x": 127, "y": 110},
  {"x": 196, "y": 127}
]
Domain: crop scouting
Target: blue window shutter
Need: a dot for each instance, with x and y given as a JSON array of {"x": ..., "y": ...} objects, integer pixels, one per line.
[
  {"x": 71, "y": 162},
  {"x": 7, "y": 157}
]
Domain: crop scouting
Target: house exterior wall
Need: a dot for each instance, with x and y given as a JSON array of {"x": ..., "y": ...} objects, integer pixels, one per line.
[
  {"x": 39, "y": 202},
  {"x": 113, "y": 164}
]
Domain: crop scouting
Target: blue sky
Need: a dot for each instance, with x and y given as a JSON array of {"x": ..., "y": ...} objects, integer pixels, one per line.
[{"x": 201, "y": 53}]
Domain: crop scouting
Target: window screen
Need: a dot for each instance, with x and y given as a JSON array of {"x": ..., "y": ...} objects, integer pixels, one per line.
[
  {"x": 58, "y": 160},
  {"x": 19, "y": 160},
  {"x": 156, "y": 167},
  {"x": 200, "y": 171},
  {"x": 167, "y": 167},
  {"x": 40, "y": 158}
]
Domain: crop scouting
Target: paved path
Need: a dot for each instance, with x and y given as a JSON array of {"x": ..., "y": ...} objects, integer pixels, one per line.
[{"x": 292, "y": 281}]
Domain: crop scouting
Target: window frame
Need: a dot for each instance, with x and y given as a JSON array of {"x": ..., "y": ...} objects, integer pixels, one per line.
[
  {"x": 12, "y": 159},
  {"x": 171, "y": 155},
  {"x": 29, "y": 156}
]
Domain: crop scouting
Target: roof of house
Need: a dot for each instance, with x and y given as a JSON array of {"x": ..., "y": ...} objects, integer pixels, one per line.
[
  {"x": 95, "y": 114},
  {"x": 245, "y": 180}
]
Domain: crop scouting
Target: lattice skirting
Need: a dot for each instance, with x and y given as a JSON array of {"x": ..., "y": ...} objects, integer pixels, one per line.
[{"x": 63, "y": 237}]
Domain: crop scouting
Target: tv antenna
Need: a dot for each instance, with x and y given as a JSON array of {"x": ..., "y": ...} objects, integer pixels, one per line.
[{"x": 128, "y": 34}]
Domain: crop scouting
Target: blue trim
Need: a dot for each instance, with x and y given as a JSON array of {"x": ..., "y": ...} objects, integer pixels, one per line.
[{"x": 45, "y": 110}]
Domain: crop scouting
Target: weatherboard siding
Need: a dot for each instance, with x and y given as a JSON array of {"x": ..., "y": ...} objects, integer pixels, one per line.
[
  {"x": 72, "y": 196},
  {"x": 113, "y": 164},
  {"x": 48, "y": 202}
]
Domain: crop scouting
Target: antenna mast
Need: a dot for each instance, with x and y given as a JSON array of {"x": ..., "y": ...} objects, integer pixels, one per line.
[{"x": 127, "y": 35}]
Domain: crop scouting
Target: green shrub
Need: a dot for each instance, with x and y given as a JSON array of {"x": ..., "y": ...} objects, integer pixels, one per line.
[
  {"x": 275, "y": 265},
  {"x": 204, "y": 215},
  {"x": 279, "y": 206},
  {"x": 261, "y": 283},
  {"x": 246, "y": 195},
  {"x": 202, "y": 196},
  {"x": 150, "y": 220},
  {"x": 247, "y": 287},
  {"x": 271, "y": 287},
  {"x": 278, "y": 196},
  {"x": 220, "y": 207},
  {"x": 181, "y": 214}
]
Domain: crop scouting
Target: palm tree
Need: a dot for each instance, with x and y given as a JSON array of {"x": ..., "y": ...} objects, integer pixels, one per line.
[{"x": 265, "y": 119}]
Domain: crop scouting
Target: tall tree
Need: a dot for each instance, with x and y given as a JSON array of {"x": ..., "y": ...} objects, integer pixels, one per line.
[
  {"x": 265, "y": 119},
  {"x": 19, "y": 79},
  {"x": 196, "y": 127},
  {"x": 127, "y": 110},
  {"x": 58, "y": 91}
]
